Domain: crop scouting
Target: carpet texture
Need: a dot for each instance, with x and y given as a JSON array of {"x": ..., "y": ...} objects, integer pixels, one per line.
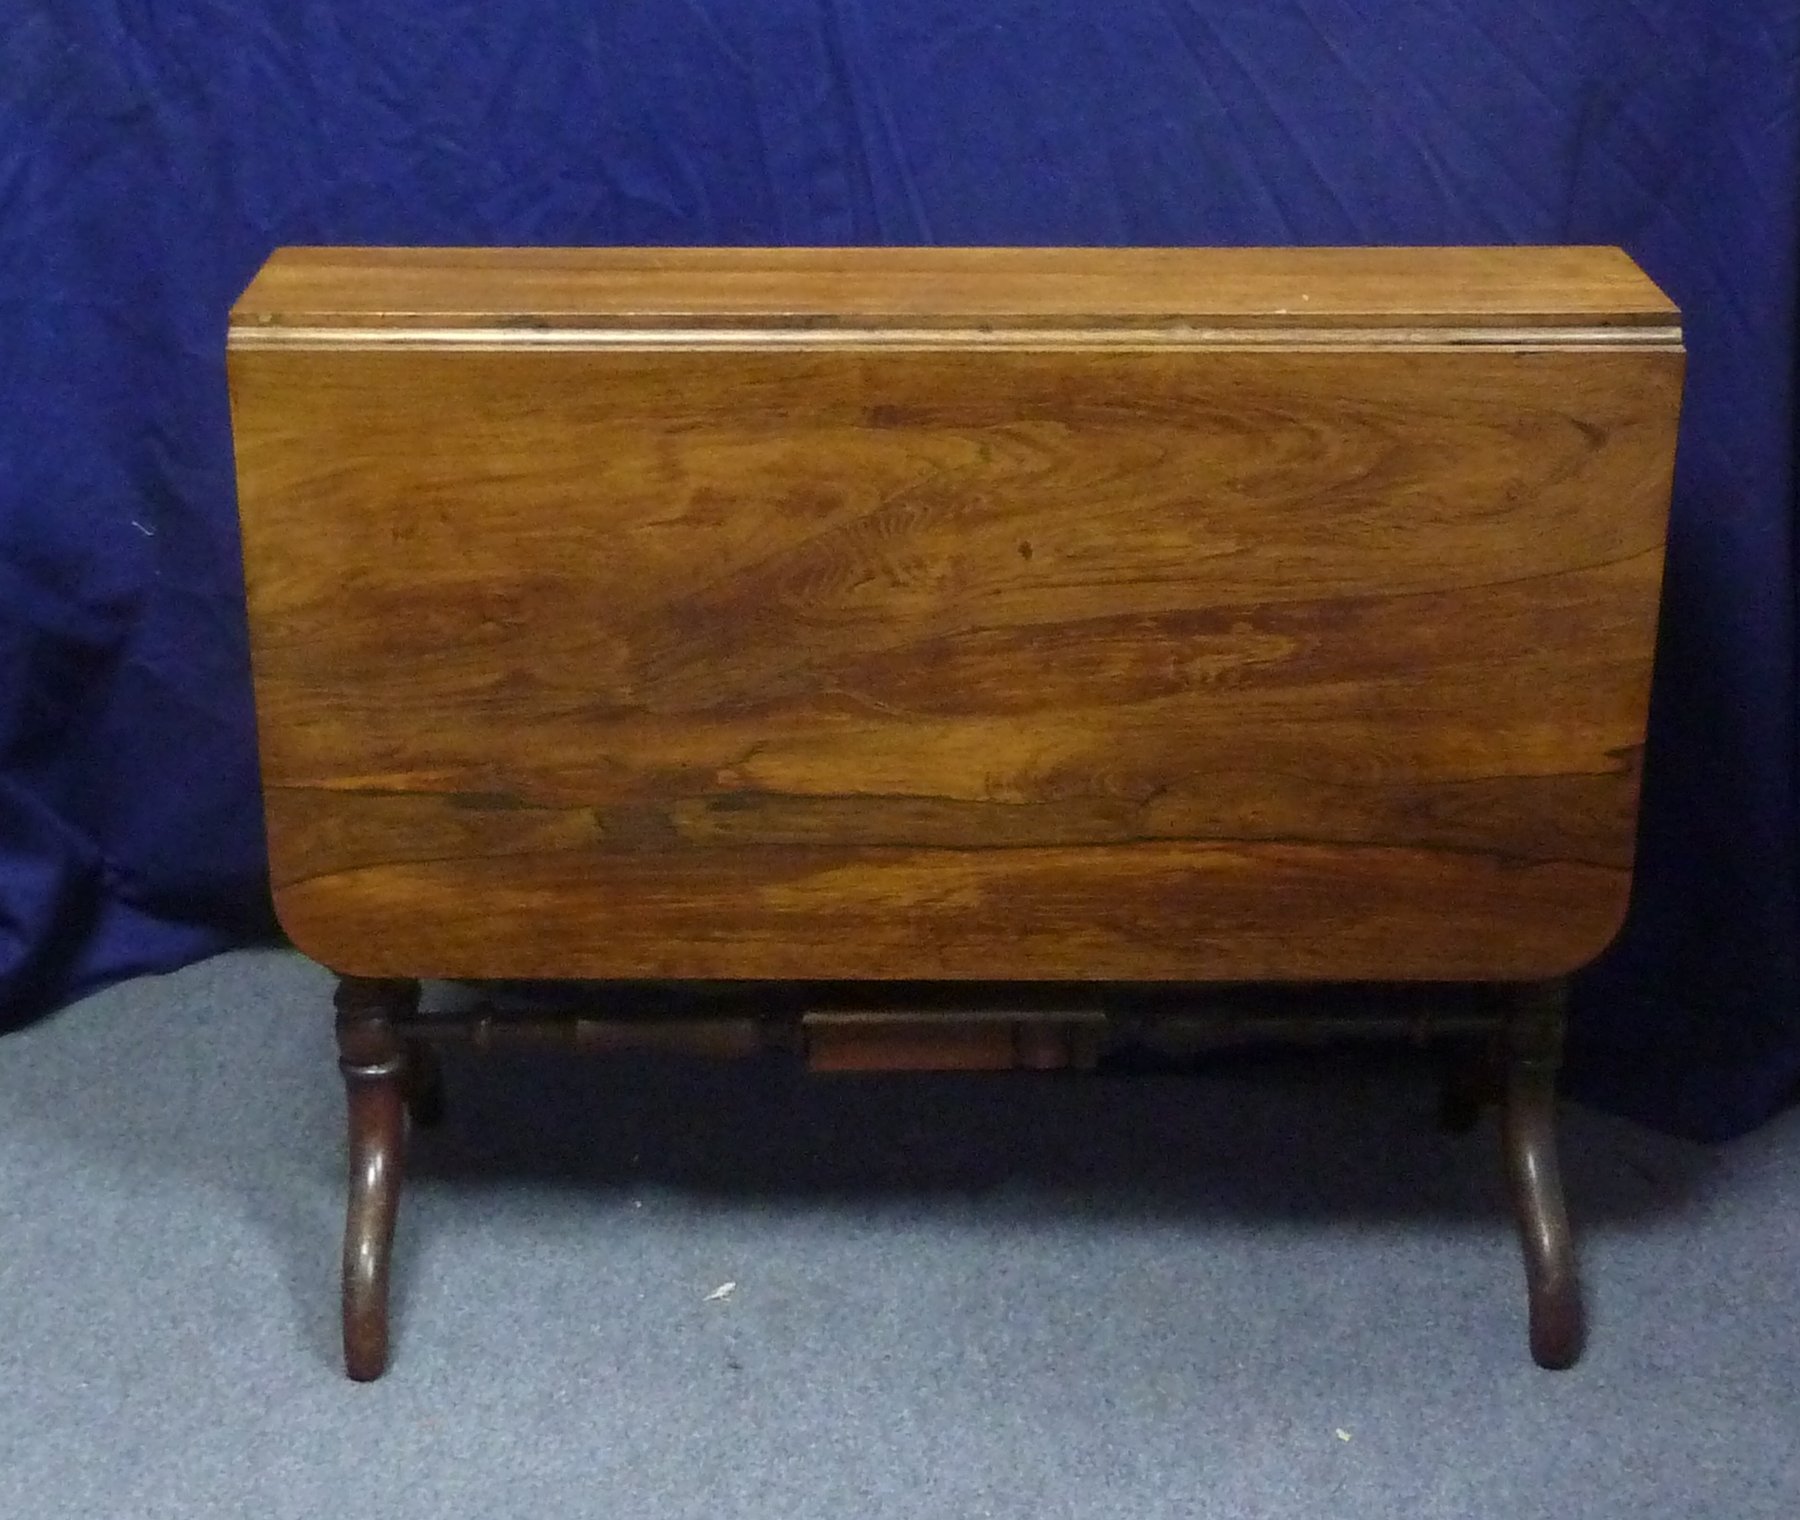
[{"x": 1269, "y": 1290}]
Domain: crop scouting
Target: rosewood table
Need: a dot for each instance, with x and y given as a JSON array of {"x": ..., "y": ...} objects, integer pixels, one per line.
[{"x": 1025, "y": 616}]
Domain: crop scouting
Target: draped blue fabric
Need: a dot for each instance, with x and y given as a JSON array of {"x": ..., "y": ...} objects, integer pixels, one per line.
[{"x": 152, "y": 153}]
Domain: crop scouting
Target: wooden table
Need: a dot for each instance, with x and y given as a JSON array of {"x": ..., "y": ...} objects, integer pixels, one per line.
[{"x": 1145, "y": 616}]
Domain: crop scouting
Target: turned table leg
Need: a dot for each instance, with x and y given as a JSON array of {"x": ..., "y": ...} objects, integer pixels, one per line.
[
  {"x": 1534, "y": 1030},
  {"x": 375, "y": 1063}
]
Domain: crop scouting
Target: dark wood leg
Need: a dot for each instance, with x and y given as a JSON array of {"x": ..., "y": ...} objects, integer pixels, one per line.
[
  {"x": 374, "y": 1062},
  {"x": 1534, "y": 1030}
]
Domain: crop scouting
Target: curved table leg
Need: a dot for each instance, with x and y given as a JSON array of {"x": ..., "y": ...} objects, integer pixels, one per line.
[
  {"x": 374, "y": 1062},
  {"x": 1528, "y": 1142}
]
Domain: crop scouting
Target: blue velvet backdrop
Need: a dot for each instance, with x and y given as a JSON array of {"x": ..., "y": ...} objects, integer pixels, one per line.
[{"x": 152, "y": 152}]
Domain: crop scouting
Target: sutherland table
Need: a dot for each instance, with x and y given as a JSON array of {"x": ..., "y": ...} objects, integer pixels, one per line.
[{"x": 1017, "y": 615}]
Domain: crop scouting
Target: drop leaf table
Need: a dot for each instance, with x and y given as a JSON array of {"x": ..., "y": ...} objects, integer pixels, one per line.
[{"x": 951, "y": 618}]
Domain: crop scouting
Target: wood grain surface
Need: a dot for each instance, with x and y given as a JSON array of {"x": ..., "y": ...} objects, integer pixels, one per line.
[
  {"x": 525, "y": 290},
  {"x": 1052, "y": 659}
]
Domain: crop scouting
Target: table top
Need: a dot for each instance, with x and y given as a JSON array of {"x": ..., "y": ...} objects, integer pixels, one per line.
[
  {"x": 520, "y": 290},
  {"x": 1134, "y": 615}
]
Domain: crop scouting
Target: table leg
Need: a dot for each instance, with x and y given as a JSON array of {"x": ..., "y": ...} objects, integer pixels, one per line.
[
  {"x": 374, "y": 1062},
  {"x": 1534, "y": 1029}
]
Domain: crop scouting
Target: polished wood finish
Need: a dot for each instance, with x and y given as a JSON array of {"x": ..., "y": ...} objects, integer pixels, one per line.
[
  {"x": 999, "y": 613},
  {"x": 373, "y": 1058},
  {"x": 1499, "y": 1045},
  {"x": 1534, "y": 1036},
  {"x": 305, "y": 292},
  {"x": 1057, "y": 615},
  {"x": 938, "y": 1040}
]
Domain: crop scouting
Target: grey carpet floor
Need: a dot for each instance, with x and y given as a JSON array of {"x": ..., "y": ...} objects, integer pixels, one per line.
[{"x": 1265, "y": 1291}]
